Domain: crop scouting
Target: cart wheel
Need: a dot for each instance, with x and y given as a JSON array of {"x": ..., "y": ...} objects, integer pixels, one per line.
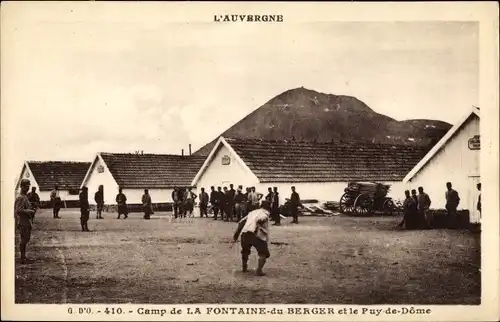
[
  {"x": 363, "y": 204},
  {"x": 346, "y": 204},
  {"x": 388, "y": 207}
]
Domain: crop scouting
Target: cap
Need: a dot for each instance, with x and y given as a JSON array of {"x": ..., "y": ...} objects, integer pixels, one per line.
[{"x": 25, "y": 182}]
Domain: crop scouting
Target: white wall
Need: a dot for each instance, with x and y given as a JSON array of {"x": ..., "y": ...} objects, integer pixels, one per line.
[
  {"x": 105, "y": 178},
  {"x": 457, "y": 164},
  {"x": 217, "y": 174},
  {"x": 322, "y": 191},
  {"x": 134, "y": 196}
]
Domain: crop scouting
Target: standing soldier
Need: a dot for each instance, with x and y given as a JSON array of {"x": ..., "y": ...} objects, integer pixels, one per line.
[
  {"x": 294, "y": 206},
  {"x": 255, "y": 198},
  {"x": 34, "y": 199},
  {"x": 239, "y": 205},
  {"x": 56, "y": 202},
  {"x": 189, "y": 202},
  {"x": 452, "y": 201},
  {"x": 23, "y": 214},
  {"x": 423, "y": 205},
  {"x": 230, "y": 203},
  {"x": 214, "y": 201},
  {"x": 203, "y": 203},
  {"x": 147, "y": 204},
  {"x": 121, "y": 201},
  {"x": 175, "y": 201},
  {"x": 275, "y": 207},
  {"x": 269, "y": 197},
  {"x": 224, "y": 203},
  {"x": 220, "y": 203},
  {"x": 84, "y": 209},
  {"x": 99, "y": 200},
  {"x": 248, "y": 203},
  {"x": 408, "y": 212},
  {"x": 254, "y": 230}
]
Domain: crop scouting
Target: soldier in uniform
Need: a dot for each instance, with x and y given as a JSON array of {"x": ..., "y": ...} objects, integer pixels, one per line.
[
  {"x": 121, "y": 201},
  {"x": 409, "y": 211},
  {"x": 255, "y": 198},
  {"x": 239, "y": 205},
  {"x": 214, "y": 195},
  {"x": 230, "y": 203},
  {"x": 423, "y": 205},
  {"x": 452, "y": 201},
  {"x": 189, "y": 199},
  {"x": 254, "y": 230},
  {"x": 175, "y": 201},
  {"x": 275, "y": 207},
  {"x": 84, "y": 208},
  {"x": 23, "y": 214},
  {"x": 147, "y": 204},
  {"x": 56, "y": 202},
  {"x": 203, "y": 203},
  {"x": 99, "y": 199},
  {"x": 34, "y": 199},
  {"x": 223, "y": 204},
  {"x": 294, "y": 206},
  {"x": 479, "y": 199}
]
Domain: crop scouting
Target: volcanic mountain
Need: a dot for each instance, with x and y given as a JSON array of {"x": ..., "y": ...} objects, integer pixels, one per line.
[{"x": 306, "y": 115}]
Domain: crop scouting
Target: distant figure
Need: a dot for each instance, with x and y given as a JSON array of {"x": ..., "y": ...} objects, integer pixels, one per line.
[
  {"x": 248, "y": 202},
  {"x": 175, "y": 201},
  {"x": 231, "y": 193},
  {"x": 147, "y": 204},
  {"x": 204, "y": 199},
  {"x": 121, "y": 201},
  {"x": 452, "y": 201},
  {"x": 224, "y": 203},
  {"x": 255, "y": 198},
  {"x": 269, "y": 196},
  {"x": 254, "y": 230},
  {"x": 275, "y": 207},
  {"x": 408, "y": 212},
  {"x": 23, "y": 214},
  {"x": 424, "y": 203},
  {"x": 181, "y": 195},
  {"x": 294, "y": 206},
  {"x": 220, "y": 203},
  {"x": 99, "y": 200},
  {"x": 56, "y": 202},
  {"x": 84, "y": 209},
  {"x": 479, "y": 199},
  {"x": 34, "y": 199},
  {"x": 189, "y": 199},
  {"x": 214, "y": 201},
  {"x": 239, "y": 203},
  {"x": 415, "y": 197}
]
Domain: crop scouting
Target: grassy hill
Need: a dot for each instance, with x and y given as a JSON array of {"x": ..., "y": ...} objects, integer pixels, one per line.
[{"x": 307, "y": 115}]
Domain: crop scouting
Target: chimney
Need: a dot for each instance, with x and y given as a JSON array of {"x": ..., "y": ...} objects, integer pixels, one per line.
[
  {"x": 189, "y": 148},
  {"x": 182, "y": 152}
]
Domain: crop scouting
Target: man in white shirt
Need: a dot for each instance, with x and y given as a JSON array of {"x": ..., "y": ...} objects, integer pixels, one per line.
[{"x": 254, "y": 230}]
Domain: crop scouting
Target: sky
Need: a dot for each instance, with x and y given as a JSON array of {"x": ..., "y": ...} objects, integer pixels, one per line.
[{"x": 85, "y": 84}]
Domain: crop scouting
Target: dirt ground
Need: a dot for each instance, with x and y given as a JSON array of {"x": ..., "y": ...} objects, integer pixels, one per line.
[{"x": 330, "y": 260}]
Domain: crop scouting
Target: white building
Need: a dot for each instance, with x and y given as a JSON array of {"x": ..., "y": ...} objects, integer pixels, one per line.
[
  {"x": 159, "y": 173},
  {"x": 44, "y": 175},
  {"x": 319, "y": 171},
  {"x": 455, "y": 159}
]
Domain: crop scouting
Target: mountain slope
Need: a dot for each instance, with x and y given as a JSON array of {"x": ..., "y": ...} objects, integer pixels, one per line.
[{"x": 307, "y": 115}]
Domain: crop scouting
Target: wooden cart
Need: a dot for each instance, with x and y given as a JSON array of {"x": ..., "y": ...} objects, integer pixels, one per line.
[{"x": 366, "y": 198}]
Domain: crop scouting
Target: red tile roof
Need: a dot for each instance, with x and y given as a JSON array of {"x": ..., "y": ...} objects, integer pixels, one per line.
[
  {"x": 152, "y": 170},
  {"x": 292, "y": 161},
  {"x": 66, "y": 175}
]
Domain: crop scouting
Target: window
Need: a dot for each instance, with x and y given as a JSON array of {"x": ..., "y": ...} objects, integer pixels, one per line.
[{"x": 74, "y": 191}]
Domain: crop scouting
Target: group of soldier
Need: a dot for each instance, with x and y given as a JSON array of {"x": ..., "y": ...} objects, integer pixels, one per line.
[
  {"x": 233, "y": 205},
  {"x": 416, "y": 214}
]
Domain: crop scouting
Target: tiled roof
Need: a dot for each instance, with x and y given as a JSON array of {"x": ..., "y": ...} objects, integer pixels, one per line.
[
  {"x": 66, "y": 175},
  {"x": 291, "y": 161},
  {"x": 152, "y": 170}
]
